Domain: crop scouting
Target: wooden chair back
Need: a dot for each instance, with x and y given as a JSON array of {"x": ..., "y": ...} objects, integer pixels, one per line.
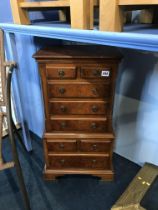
[{"x": 112, "y": 12}]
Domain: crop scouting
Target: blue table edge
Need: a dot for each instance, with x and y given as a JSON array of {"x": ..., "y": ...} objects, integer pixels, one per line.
[{"x": 137, "y": 41}]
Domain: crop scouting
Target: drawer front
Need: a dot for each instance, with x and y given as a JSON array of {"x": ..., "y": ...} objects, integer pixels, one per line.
[
  {"x": 79, "y": 107},
  {"x": 61, "y": 72},
  {"x": 79, "y": 90},
  {"x": 61, "y": 146},
  {"x": 94, "y": 72},
  {"x": 96, "y": 146},
  {"x": 79, "y": 125},
  {"x": 79, "y": 162}
]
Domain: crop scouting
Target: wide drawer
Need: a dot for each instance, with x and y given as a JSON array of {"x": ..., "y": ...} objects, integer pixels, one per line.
[
  {"x": 96, "y": 72},
  {"x": 79, "y": 107},
  {"x": 96, "y": 145},
  {"x": 78, "y": 161},
  {"x": 61, "y": 146},
  {"x": 60, "y": 72},
  {"x": 81, "y": 145},
  {"x": 74, "y": 124},
  {"x": 79, "y": 90}
]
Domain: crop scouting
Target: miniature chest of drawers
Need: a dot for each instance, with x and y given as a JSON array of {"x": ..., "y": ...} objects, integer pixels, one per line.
[{"x": 78, "y": 90}]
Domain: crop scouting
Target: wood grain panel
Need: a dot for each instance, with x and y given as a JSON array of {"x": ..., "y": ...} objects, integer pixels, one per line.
[
  {"x": 61, "y": 145},
  {"x": 79, "y": 107},
  {"x": 79, "y": 124},
  {"x": 79, "y": 161},
  {"x": 60, "y": 72},
  {"x": 96, "y": 145},
  {"x": 78, "y": 90},
  {"x": 96, "y": 72}
]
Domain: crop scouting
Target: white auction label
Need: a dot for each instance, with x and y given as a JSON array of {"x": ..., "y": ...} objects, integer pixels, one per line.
[{"x": 105, "y": 73}]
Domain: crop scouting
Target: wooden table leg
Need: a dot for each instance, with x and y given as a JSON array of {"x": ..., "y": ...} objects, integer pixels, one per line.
[
  {"x": 20, "y": 16},
  {"x": 91, "y": 21},
  {"x": 111, "y": 16},
  {"x": 80, "y": 14}
]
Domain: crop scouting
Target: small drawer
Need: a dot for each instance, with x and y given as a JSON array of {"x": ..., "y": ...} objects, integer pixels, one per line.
[
  {"x": 79, "y": 125},
  {"x": 78, "y": 162},
  {"x": 60, "y": 72},
  {"x": 79, "y": 90},
  {"x": 79, "y": 107},
  {"x": 95, "y": 162},
  {"x": 95, "y": 72},
  {"x": 96, "y": 145},
  {"x": 61, "y": 146}
]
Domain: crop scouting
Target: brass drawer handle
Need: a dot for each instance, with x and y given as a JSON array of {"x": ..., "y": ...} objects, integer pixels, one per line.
[
  {"x": 96, "y": 73},
  {"x": 94, "y": 161},
  {"x": 61, "y": 73},
  {"x": 93, "y": 125},
  {"x": 94, "y": 91},
  {"x": 63, "y": 108},
  {"x": 94, "y": 108},
  {"x": 61, "y": 145},
  {"x": 62, "y": 161},
  {"x": 63, "y": 125},
  {"x": 94, "y": 146},
  {"x": 62, "y": 90}
]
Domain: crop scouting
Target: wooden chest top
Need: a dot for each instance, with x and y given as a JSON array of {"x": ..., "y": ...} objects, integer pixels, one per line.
[{"x": 77, "y": 52}]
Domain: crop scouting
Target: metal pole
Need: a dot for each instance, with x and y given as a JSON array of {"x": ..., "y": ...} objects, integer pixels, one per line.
[{"x": 12, "y": 139}]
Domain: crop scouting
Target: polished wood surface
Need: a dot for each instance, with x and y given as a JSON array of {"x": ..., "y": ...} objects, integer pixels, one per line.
[
  {"x": 60, "y": 71},
  {"x": 80, "y": 145},
  {"x": 86, "y": 107},
  {"x": 95, "y": 146},
  {"x": 79, "y": 124},
  {"x": 78, "y": 89},
  {"x": 61, "y": 145},
  {"x": 74, "y": 52},
  {"x": 71, "y": 161},
  {"x": 95, "y": 72}
]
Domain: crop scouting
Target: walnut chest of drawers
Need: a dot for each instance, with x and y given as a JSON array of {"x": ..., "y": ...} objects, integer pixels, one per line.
[{"x": 78, "y": 90}]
